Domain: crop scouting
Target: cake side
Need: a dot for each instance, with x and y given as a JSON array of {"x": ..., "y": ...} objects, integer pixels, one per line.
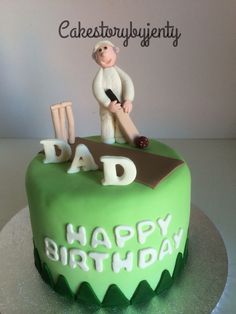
[{"x": 126, "y": 235}]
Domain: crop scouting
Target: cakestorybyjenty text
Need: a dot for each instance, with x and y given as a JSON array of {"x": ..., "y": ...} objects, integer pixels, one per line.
[{"x": 145, "y": 33}]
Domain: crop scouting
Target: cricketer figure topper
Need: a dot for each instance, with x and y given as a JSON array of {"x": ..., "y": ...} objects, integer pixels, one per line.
[{"x": 114, "y": 91}]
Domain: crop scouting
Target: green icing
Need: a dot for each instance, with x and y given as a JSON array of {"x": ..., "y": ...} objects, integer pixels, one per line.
[
  {"x": 46, "y": 275},
  {"x": 165, "y": 282},
  {"x": 57, "y": 198},
  {"x": 37, "y": 261},
  {"x": 178, "y": 266},
  {"x": 114, "y": 297},
  {"x": 86, "y": 295},
  {"x": 63, "y": 288},
  {"x": 186, "y": 252},
  {"x": 143, "y": 293}
]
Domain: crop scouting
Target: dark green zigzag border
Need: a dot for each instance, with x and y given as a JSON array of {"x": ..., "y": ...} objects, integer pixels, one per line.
[{"x": 114, "y": 296}]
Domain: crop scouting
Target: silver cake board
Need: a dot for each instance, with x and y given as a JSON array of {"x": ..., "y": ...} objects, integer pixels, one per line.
[{"x": 196, "y": 291}]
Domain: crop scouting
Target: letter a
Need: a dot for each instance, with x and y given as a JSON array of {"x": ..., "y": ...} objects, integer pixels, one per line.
[{"x": 83, "y": 159}]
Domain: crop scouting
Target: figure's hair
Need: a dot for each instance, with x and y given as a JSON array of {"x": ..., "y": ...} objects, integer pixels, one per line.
[{"x": 103, "y": 42}]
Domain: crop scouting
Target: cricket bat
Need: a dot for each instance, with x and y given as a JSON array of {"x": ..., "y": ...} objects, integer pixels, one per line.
[{"x": 127, "y": 126}]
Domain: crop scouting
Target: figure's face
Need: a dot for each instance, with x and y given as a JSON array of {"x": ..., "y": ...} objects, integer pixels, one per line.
[{"x": 105, "y": 56}]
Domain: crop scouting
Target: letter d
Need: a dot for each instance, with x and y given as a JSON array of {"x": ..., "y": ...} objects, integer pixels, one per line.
[
  {"x": 50, "y": 151},
  {"x": 110, "y": 175}
]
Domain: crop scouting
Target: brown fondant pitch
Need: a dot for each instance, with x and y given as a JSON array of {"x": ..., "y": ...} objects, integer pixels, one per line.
[{"x": 151, "y": 168}]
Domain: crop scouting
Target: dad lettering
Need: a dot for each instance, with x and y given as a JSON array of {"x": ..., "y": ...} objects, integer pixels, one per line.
[{"x": 84, "y": 160}]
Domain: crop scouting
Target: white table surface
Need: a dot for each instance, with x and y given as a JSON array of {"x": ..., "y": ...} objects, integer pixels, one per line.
[{"x": 213, "y": 168}]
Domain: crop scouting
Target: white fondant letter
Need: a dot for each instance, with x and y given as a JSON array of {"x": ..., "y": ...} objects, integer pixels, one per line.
[
  {"x": 82, "y": 263},
  {"x": 63, "y": 255},
  {"x": 110, "y": 175},
  {"x": 118, "y": 263},
  {"x": 123, "y": 234},
  {"x": 51, "y": 249},
  {"x": 147, "y": 257},
  {"x": 165, "y": 249},
  {"x": 72, "y": 235},
  {"x": 145, "y": 228},
  {"x": 104, "y": 239},
  {"x": 164, "y": 224},
  {"x": 50, "y": 151},
  {"x": 98, "y": 260},
  {"x": 84, "y": 159},
  {"x": 177, "y": 238}
]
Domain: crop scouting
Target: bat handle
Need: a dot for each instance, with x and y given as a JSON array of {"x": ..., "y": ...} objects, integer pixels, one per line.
[{"x": 112, "y": 96}]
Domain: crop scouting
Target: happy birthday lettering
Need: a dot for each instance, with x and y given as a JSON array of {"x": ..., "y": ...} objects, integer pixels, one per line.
[{"x": 99, "y": 238}]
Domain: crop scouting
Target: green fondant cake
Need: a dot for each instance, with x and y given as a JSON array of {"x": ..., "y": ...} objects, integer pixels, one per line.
[{"x": 108, "y": 245}]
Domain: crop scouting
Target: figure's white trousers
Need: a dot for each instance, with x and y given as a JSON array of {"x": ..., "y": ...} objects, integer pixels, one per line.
[{"x": 110, "y": 131}]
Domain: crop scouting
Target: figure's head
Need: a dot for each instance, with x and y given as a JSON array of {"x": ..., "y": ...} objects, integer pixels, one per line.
[{"x": 105, "y": 53}]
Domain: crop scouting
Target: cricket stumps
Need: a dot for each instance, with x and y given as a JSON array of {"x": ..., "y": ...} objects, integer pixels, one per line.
[{"x": 63, "y": 121}]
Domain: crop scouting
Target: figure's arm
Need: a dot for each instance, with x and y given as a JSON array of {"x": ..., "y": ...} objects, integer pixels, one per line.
[
  {"x": 100, "y": 95},
  {"x": 127, "y": 90},
  {"x": 98, "y": 90},
  {"x": 127, "y": 85}
]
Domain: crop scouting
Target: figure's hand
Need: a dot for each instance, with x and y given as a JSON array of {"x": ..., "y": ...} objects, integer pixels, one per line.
[
  {"x": 127, "y": 106},
  {"x": 114, "y": 106}
]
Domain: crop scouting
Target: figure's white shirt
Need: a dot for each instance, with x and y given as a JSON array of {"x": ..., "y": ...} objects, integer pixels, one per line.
[{"x": 115, "y": 79}]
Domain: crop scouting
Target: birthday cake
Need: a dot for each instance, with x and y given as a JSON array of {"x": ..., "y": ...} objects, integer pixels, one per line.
[{"x": 109, "y": 220}]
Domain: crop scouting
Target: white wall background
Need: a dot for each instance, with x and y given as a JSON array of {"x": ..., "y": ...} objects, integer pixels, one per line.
[{"x": 183, "y": 92}]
